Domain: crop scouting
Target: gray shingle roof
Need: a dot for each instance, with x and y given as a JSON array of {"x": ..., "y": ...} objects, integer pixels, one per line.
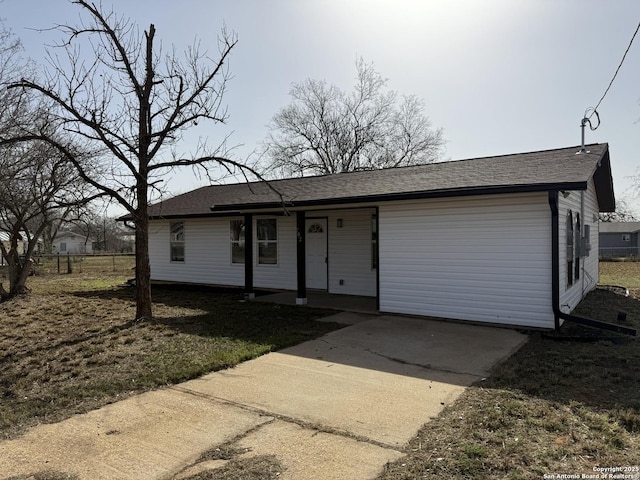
[{"x": 559, "y": 169}]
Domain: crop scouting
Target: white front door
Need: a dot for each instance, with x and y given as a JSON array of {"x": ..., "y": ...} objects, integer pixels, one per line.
[{"x": 316, "y": 250}]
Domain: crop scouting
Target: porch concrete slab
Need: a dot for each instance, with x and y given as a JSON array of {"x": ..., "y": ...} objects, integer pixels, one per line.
[
  {"x": 319, "y": 299},
  {"x": 306, "y": 453},
  {"x": 148, "y": 436}
]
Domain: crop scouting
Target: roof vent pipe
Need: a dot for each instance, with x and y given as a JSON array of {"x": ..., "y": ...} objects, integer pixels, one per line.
[{"x": 583, "y": 123}]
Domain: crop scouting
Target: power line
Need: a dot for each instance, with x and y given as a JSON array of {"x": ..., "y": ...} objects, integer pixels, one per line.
[{"x": 616, "y": 72}]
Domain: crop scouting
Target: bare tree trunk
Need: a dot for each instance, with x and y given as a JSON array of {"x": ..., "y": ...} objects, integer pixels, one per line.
[
  {"x": 143, "y": 273},
  {"x": 24, "y": 272},
  {"x": 143, "y": 268},
  {"x": 13, "y": 259},
  {"x": 3, "y": 293}
]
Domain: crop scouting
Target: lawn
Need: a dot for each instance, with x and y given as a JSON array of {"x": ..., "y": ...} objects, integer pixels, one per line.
[
  {"x": 563, "y": 404},
  {"x": 70, "y": 345}
]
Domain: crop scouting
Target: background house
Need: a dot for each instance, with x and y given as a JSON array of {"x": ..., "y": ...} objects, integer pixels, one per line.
[
  {"x": 619, "y": 239},
  {"x": 5, "y": 239},
  {"x": 70, "y": 243}
]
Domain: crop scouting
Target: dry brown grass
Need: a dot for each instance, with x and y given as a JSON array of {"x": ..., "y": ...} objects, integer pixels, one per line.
[{"x": 71, "y": 346}]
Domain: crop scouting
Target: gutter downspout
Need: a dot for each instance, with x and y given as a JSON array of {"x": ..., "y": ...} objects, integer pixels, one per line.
[{"x": 555, "y": 259}]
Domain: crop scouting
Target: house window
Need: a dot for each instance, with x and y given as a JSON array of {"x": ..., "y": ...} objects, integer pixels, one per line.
[
  {"x": 267, "y": 234},
  {"x": 236, "y": 231},
  {"x": 63, "y": 246},
  {"x": 570, "y": 248},
  {"x": 374, "y": 241},
  {"x": 626, "y": 237},
  {"x": 577, "y": 232},
  {"x": 177, "y": 241}
]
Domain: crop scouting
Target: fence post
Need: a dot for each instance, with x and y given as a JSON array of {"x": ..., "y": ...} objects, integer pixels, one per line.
[
  {"x": 114, "y": 262},
  {"x": 69, "y": 267},
  {"x": 58, "y": 263}
]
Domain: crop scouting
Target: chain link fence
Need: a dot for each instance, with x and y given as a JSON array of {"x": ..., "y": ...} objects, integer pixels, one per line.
[
  {"x": 85, "y": 263},
  {"x": 612, "y": 253}
]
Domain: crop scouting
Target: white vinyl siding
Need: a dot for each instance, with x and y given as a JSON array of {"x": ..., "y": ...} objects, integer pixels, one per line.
[
  {"x": 571, "y": 295},
  {"x": 350, "y": 251},
  {"x": 478, "y": 258},
  {"x": 207, "y": 258}
]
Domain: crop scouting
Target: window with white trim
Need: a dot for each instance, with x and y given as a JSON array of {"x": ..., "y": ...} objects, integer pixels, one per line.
[
  {"x": 236, "y": 234},
  {"x": 626, "y": 237},
  {"x": 177, "y": 241},
  {"x": 267, "y": 240}
]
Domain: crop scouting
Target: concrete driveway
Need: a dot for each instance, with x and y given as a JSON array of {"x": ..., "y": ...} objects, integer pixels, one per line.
[{"x": 338, "y": 407}]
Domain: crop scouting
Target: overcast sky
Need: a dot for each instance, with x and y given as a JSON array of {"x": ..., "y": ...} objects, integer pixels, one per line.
[{"x": 499, "y": 76}]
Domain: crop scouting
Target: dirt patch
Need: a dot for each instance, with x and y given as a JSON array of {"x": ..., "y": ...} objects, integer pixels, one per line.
[{"x": 262, "y": 467}]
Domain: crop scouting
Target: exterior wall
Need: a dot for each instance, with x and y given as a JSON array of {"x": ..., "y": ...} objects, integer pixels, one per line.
[
  {"x": 477, "y": 258},
  {"x": 350, "y": 252},
  {"x": 207, "y": 257},
  {"x": 612, "y": 245},
  {"x": 208, "y": 254},
  {"x": 585, "y": 203}
]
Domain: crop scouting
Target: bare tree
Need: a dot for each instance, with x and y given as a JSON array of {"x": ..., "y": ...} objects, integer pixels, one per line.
[
  {"x": 623, "y": 213},
  {"x": 132, "y": 103},
  {"x": 36, "y": 186},
  {"x": 325, "y": 130}
]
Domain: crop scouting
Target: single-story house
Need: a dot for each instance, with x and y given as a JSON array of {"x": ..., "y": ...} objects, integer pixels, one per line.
[
  {"x": 509, "y": 239},
  {"x": 619, "y": 239},
  {"x": 71, "y": 243}
]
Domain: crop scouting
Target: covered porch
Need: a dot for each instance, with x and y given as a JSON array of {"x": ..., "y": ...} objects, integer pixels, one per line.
[{"x": 318, "y": 299}]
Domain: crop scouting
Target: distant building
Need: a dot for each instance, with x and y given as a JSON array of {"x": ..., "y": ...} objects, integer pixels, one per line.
[
  {"x": 70, "y": 243},
  {"x": 619, "y": 239},
  {"x": 6, "y": 241}
]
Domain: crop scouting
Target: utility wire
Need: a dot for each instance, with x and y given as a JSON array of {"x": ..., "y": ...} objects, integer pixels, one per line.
[{"x": 616, "y": 72}]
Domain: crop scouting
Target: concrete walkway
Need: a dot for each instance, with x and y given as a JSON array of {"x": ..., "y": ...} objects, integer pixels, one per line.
[{"x": 339, "y": 407}]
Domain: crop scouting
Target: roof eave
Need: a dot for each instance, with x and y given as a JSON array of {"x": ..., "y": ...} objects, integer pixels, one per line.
[
  {"x": 603, "y": 181},
  {"x": 444, "y": 193}
]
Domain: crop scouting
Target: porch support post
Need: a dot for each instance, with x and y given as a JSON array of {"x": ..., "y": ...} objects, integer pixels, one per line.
[
  {"x": 248, "y": 256},
  {"x": 301, "y": 297}
]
